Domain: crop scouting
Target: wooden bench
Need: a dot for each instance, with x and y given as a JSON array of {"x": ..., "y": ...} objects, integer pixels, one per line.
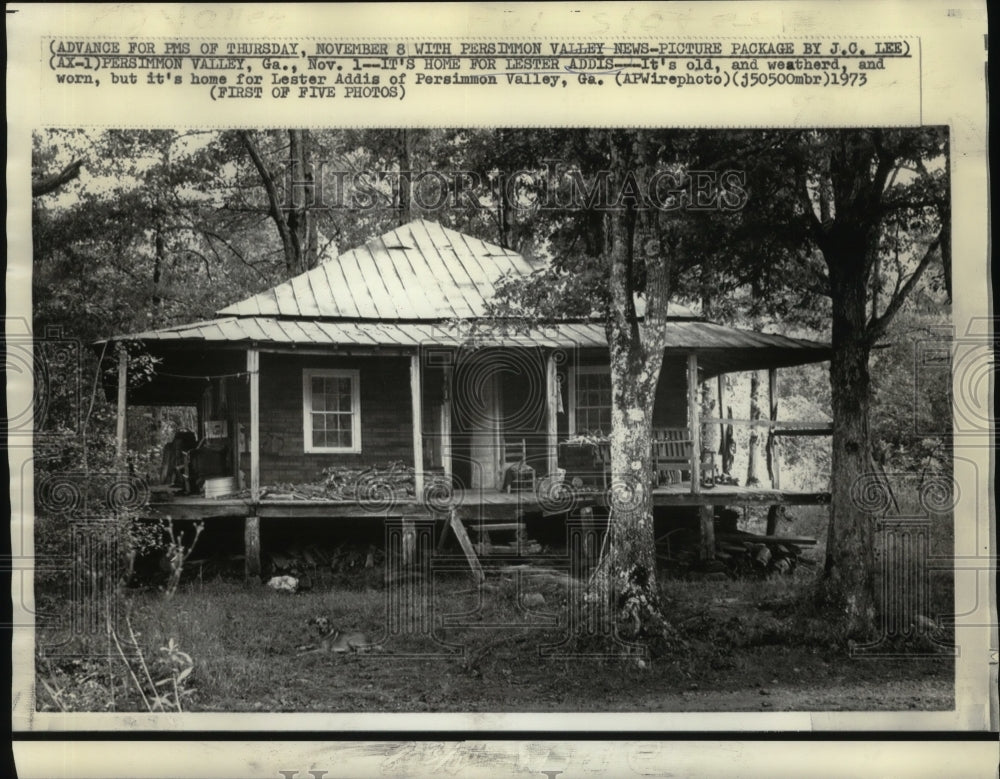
[{"x": 671, "y": 449}]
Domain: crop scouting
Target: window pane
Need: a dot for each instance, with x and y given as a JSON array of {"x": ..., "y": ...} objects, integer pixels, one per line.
[
  {"x": 318, "y": 430},
  {"x": 318, "y": 398},
  {"x": 593, "y": 402},
  {"x": 332, "y": 405}
]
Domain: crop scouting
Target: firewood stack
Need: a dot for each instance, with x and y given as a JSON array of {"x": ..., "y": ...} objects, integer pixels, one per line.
[
  {"x": 395, "y": 481},
  {"x": 749, "y": 554},
  {"x": 342, "y": 558},
  {"x": 737, "y": 554}
]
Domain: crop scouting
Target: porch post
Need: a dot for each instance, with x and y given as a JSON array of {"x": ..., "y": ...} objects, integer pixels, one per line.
[
  {"x": 693, "y": 419},
  {"x": 251, "y": 525},
  {"x": 552, "y": 407},
  {"x": 720, "y": 381},
  {"x": 122, "y": 407},
  {"x": 446, "y": 422},
  {"x": 773, "y": 466},
  {"x": 253, "y": 369},
  {"x": 418, "y": 432}
]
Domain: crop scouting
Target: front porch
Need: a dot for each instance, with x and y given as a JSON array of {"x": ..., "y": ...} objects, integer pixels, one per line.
[
  {"x": 469, "y": 503},
  {"x": 472, "y": 508},
  {"x": 257, "y": 402}
]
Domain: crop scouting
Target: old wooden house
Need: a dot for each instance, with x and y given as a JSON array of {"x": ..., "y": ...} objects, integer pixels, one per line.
[{"x": 367, "y": 361}]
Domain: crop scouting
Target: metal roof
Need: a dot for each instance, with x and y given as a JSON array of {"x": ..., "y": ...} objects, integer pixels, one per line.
[
  {"x": 682, "y": 335},
  {"x": 408, "y": 288},
  {"x": 417, "y": 271},
  {"x": 420, "y": 270},
  {"x": 316, "y": 332}
]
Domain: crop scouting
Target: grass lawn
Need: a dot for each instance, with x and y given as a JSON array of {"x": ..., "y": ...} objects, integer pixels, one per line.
[
  {"x": 747, "y": 644},
  {"x": 746, "y": 650}
]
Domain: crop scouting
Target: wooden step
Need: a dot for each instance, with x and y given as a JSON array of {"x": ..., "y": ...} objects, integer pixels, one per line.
[
  {"x": 525, "y": 548},
  {"x": 486, "y": 527},
  {"x": 740, "y": 537}
]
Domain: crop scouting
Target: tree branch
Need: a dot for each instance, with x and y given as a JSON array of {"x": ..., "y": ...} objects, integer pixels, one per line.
[
  {"x": 273, "y": 201},
  {"x": 877, "y": 326},
  {"x": 48, "y": 184}
]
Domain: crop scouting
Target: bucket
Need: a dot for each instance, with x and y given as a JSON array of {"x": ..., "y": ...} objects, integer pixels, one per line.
[{"x": 220, "y": 487}]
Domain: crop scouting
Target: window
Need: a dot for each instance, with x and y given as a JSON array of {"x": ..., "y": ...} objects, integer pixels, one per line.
[
  {"x": 591, "y": 400},
  {"x": 331, "y": 411}
]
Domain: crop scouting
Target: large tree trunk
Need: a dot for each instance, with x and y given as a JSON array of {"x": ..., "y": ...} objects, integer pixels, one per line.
[
  {"x": 629, "y": 559},
  {"x": 848, "y": 582},
  {"x": 627, "y": 569},
  {"x": 753, "y": 461},
  {"x": 301, "y": 219}
]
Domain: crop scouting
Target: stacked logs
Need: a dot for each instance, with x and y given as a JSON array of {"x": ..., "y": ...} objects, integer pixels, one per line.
[
  {"x": 395, "y": 481},
  {"x": 750, "y": 554},
  {"x": 738, "y": 554},
  {"x": 343, "y": 558}
]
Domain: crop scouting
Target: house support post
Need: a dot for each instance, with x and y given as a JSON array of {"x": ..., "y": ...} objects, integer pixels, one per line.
[
  {"x": 122, "y": 408},
  {"x": 251, "y": 546},
  {"x": 551, "y": 418},
  {"x": 251, "y": 525},
  {"x": 774, "y": 513},
  {"x": 693, "y": 414},
  {"x": 418, "y": 430},
  {"x": 773, "y": 464},
  {"x": 409, "y": 542},
  {"x": 706, "y": 516}
]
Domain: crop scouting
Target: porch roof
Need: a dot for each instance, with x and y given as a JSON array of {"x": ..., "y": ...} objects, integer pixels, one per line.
[{"x": 720, "y": 348}]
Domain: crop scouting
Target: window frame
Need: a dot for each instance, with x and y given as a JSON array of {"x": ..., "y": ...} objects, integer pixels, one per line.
[
  {"x": 308, "y": 374},
  {"x": 574, "y": 372}
]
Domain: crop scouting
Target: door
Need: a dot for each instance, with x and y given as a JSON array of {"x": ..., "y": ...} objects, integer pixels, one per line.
[
  {"x": 484, "y": 439},
  {"x": 476, "y": 415}
]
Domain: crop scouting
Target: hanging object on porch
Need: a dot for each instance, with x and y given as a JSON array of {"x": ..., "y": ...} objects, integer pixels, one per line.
[
  {"x": 708, "y": 469},
  {"x": 216, "y": 428}
]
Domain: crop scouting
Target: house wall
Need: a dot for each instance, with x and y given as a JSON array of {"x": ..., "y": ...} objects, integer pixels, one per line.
[
  {"x": 386, "y": 415},
  {"x": 670, "y": 406}
]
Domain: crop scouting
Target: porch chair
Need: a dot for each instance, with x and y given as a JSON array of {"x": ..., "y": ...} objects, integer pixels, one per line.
[
  {"x": 671, "y": 454},
  {"x": 515, "y": 473}
]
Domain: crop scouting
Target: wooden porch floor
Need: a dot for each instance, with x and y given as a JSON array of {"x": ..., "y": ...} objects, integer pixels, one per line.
[{"x": 470, "y": 503}]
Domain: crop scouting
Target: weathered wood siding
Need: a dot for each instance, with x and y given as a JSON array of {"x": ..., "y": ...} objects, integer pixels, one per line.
[
  {"x": 670, "y": 408},
  {"x": 386, "y": 416}
]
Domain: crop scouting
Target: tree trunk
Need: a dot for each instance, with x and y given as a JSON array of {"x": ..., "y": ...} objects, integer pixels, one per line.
[
  {"x": 857, "y": 496},
  {"x": 753, "y": 461},
  {"x": 405, "y": 177},
  {"x": 301, "y": 223},
  {"x": 627, "y": 569},
  {"x": 630, "y": 554}
]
